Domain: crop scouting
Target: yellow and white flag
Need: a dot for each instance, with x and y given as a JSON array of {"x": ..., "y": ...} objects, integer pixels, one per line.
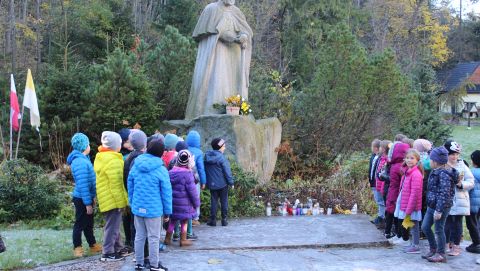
[{"x": 30, "y": 101}]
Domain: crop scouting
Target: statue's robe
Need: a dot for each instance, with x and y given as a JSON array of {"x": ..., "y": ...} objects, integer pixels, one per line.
[{"x": 222, "y": 66}]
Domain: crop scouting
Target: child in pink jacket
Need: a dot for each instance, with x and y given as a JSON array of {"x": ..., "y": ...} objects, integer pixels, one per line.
[{"x": 409, "y": 202}]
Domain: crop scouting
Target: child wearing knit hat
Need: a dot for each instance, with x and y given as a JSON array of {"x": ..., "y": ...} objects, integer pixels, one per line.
[
  {"x": 441, "y": 189},
  {"x": 473, "y": 220},
  {"x": 83, "y": 194},
  {"x": 137, "y": 139},
  {"x": 111, "y": 194},
  {"x": 185, "y": 196},
  {"x": 170, "y": 152},
  {"x": 150, "y": 195}
]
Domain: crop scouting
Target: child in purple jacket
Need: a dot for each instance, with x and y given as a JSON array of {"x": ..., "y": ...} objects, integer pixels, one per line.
[{"x": 185, "y": 196}]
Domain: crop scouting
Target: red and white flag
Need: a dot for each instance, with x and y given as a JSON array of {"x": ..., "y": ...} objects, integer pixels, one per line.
[{"x": 14, "y": 107}]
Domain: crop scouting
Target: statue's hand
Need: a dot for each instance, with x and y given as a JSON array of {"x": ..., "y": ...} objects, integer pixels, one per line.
[{"x": 243, "y": 38}]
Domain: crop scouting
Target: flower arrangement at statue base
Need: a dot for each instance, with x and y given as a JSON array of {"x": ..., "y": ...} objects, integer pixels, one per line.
[{"x": 236, "y": 105}]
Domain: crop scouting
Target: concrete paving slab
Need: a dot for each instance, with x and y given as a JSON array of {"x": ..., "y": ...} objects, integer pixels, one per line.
[
  {"x": 357, "y": 259},
  {"x": 289, "y": 232}
]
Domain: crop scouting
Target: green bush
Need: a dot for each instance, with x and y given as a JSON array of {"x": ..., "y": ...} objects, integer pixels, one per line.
[
  {"x": 242, "y": 201},
  {"x": 26, "y": 192}
]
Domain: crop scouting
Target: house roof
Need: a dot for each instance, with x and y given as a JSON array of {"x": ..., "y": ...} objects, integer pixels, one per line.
[{"x": 453, "y": 78}]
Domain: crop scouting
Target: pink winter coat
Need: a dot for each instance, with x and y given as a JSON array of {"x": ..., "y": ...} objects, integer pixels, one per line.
[
  {"x": 398, "y": 155},
  {"x": 379, "y": 184},
  {"x": 412, "y": 191}
]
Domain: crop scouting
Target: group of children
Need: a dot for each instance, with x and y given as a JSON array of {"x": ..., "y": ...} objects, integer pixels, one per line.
[
  {"x": 416, "y": 186},
  {"x": 148, "y": 184}
]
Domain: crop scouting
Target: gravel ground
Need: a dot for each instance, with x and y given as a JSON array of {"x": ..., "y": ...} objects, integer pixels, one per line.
[{"x": 87, "y": 264}]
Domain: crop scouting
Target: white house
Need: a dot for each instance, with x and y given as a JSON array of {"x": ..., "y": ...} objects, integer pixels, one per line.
[{"x": 452, "y": 79}]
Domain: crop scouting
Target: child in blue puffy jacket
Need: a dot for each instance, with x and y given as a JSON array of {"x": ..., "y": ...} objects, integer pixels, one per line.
[
  {"x": 83, "y": 194},
  {"x": 150, "y": 197}
]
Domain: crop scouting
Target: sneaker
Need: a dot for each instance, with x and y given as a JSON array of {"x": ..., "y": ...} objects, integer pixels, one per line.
[
  {"x": 195, "y": 223},
  {"x": 455, "y": 251},
  {"x": 96, "y": 248},
  {"x": 412, "y": 250},
  {"x": 112, "y": 257},
  {"x": 159, "y": 268},
  {"x": 429, "y": 254},
  {"x": 176, "y": 237},
  {"x": 381, "y": 224},
  {"x": 139, "y": 267},
  {"x": 478, "y": 261},
  {"x": 78, "y": 252},
  {"x": 375, "y": 221},
  {"x": 192, "y": 237},
  {"x": 162, "y": 247},
  {"x": 448, "y": 248},
  {"x": 438, "y": 258},
  {"x": 125, "y": 251},
  {"x": 389, "y": 235},
  {"x": 212, "y": 223},
  {"x": 224, "y": 222},
  {"x": 473, "y": 248}
]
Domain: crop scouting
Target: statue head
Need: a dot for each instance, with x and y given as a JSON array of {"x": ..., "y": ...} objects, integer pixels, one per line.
[{"x": 228, "y": 2}]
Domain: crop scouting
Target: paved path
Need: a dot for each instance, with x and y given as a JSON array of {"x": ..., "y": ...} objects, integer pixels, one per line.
[{"x": 288, "y": 243}]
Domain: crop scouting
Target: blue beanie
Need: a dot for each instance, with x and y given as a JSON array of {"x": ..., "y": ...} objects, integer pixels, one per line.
[
  {"x": 124, "y": 133},
  {"x": 181, "y": 145},
  {"x": 439, "y": 155},
  {"x": 170, "y": 141},
  {"x": 80, "y": 142}
]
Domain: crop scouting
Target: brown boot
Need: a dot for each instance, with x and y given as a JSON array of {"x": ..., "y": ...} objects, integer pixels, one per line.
[
  {"x": 168, "y": 238},
  {"x": 183, "y": 240}
]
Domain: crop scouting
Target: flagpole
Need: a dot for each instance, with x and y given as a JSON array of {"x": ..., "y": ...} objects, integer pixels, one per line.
[
  {"x": 3, "y": 142},
  {"x": 11, "y": 136},
  {"x": 19, "y": 132}
]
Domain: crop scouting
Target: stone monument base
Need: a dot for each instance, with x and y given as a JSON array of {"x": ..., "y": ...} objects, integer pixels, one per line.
[{"x": 252, "y": 143}]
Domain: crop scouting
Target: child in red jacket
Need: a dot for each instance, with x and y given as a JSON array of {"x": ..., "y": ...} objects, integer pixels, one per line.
[{"x": 409, "y": 202}]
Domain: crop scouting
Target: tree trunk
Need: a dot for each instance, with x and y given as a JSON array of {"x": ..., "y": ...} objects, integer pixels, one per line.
[
  {"x": 11, "y": 23},
  {"x": 37, "y": 29}
]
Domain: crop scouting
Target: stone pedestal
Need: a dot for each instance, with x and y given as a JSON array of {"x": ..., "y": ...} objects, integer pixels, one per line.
[{"x": 251, "y": 143}]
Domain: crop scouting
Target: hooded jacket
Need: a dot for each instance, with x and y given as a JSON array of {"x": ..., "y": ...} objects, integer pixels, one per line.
[
  {"x": 128, "y": 165},
  {"x": 83, "y": 175},
  {"x": 217, "y": 169},
  {"x": 461, "y": 200},
  {"x": 441, "y": 188},
  {"x": 412, "y": 186},
  {"x": 396, "y": 162},
  {"x": 149, "y": 188},
  {"x": 111, "y": 193},
  {"x": 185, "y": 196},
  {"x": 475, "y": 192},
  {"x": 193, "y": 142},
  {"x": 379, "y": 184}
]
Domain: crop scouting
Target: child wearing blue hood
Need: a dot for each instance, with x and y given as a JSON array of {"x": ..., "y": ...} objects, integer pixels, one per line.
[
  {"x": 83, "y": 194},
  {"x": 193, "y": 142}
]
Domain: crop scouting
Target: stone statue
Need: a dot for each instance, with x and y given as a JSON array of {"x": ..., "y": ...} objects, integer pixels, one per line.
[{"x": 223, "y": 60}]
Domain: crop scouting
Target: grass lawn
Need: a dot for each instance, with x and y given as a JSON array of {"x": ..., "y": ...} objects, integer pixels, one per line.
[
  {"x": 469, "y": 139},
  {"x": 30, "y": 248}
]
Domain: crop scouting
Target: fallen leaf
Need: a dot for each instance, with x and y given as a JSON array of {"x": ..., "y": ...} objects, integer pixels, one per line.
[{"x": 214, "y": 261}]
